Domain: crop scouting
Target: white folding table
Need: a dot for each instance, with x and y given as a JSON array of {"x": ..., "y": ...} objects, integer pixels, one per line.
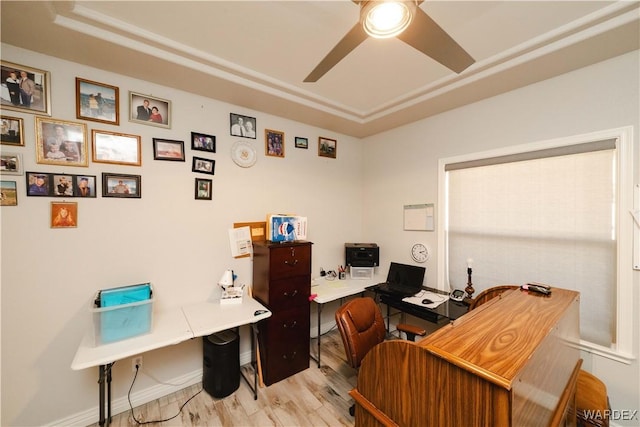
[{"x": 169, "y": 327}]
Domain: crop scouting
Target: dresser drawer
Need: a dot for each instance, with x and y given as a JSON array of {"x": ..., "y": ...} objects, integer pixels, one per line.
[{"x": 290, "y": 261}]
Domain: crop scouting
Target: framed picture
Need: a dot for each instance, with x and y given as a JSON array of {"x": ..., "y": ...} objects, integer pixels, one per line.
[
  {"x": 59, "y": 142},
  {"x": 149, "y": 110},
  {"x": 327, "y": 147},
  {"x": 28, "y": 89},
  {"x": 116, "y": 148},
  {"x": 62, "y": 185},
  {"x": 273, "y": 143},
  {"x": 302, "y": 142},
  {"x": 64, "y": 214},
  {"x": 203, "y": 189},
  {"x": 243, "y": 126},
  {"x": 168, "y": 149},
  {"x": 203, "y": 142},
  {"x": 12, "y": 133},
  {"x": 119, "y": 185},
  {"x": 203, "y": 165},
  {"x": 84, "y": 186},
  {"x": 8, "y": 193},
  {"x": 97, "y": 102},
  {"x": 38, "y": 184},
  {"x": 10, "y": 163}
]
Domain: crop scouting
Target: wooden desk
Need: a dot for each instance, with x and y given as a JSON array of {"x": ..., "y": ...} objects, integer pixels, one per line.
[
  {"x": 511, "y": 362},
  {"x": 331, "y": 290},
  {"x": 169, "y": 327}
]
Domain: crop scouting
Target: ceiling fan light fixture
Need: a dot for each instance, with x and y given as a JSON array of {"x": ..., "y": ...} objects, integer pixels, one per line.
[{"x": 384, "y": 19}]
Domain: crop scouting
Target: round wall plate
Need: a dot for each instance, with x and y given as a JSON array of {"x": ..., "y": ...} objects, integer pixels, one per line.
[{"x": 243, "y": 154}]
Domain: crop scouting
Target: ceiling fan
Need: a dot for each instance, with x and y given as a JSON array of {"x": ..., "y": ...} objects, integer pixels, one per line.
[{"x": 412, "y": 26}]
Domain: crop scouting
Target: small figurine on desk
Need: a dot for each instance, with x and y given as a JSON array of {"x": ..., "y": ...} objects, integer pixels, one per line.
[{"x": 469, "y": 289}]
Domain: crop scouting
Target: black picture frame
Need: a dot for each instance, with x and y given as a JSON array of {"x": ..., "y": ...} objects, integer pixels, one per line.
[
  {"x": 302, "y": 142},
  {"x": 203, "y": 142},
  {"x": 203, "y": 165},
  {"x": 242, "y": 126},
  {"x": 168, "y": 149},
  {"x": 203, "y": 189},
  {"x": 61, "y": 185},
  {"x": 121, "y": 185}
]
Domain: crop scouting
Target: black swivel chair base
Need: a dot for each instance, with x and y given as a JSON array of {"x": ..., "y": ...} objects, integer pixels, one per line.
[{"x": 352, "y": 410}]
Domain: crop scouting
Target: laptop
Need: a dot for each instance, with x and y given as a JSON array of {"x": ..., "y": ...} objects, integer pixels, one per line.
[{"x": 403, "y": 280}]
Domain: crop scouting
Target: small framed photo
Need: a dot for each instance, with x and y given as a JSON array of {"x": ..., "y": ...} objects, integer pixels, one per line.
[
  {"x": 38, "y": 184},
  {"x": 28, "y": 89},
  {"x": 84, "y": 186},
  {"x": 64, "y": 214},
  {"x": 119, "y": 185},
  {"x": 168, "y": 149},
  {"x": 327, "y": 147},
  {"x": 243, "y": 126},
  {"x": 12, "y": 133},
  {"x": 10, "y": 163},
  {"x": 97, "y": 102},
  {"x": 62, "y": 185},
  {"x": 203, "y": 165},
  {"x": 8, "y": 193},
  {"x": 203, "y": 142},
  {"x": 62, "y": 143},
  {"x": 203, "y": 189},
  {"x": 302, "y": 142},
  {"x": 149, "y": 110},
  {"x": 116, "y": 148},
  {"x": 273, "y": 143}
]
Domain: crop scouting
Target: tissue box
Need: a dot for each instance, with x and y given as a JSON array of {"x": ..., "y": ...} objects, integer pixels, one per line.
[
  {"x": 122, "y": 313},
  {"x": 284, "y": 228}
]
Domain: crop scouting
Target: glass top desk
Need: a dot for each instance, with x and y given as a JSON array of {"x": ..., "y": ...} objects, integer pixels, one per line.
[{"x": 446, "y": 312}]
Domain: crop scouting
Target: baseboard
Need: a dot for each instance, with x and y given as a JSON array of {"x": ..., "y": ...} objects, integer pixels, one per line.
[{"x": 121, "y": 404}]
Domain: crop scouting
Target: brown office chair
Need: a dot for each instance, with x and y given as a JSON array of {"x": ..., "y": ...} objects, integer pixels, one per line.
[
  {"x": 591, "y": 393},
  {"x": 489, "y": 294},
  {"x": 362, "y": 327}
]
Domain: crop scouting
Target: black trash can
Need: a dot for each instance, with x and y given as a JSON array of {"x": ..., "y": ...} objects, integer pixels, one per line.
[{"x": 221, "y": 363}]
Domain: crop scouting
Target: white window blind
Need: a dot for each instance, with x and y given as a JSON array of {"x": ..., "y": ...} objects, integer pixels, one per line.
[{"x": 546, "y": 216}]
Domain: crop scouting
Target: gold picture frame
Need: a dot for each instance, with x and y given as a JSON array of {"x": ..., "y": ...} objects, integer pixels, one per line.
[
  {"x": 38, "y": 98},
  {"x": 327, "y": 147},
  {"x": 273, "y": 143},
  {"x": 98, "y": 102},
  {"x": 115, "y": 148},
  {"x": 62, "y": 143}
]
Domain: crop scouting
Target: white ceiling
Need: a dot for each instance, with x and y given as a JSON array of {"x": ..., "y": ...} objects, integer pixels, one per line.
[{"x": 256, "y": 54}]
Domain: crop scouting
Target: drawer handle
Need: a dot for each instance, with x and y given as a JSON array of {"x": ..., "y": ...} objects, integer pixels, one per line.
[
  {"x": 293, "y": 324},
  {"x": 293, "y": 294},
  {"x": 295, "y": 261},
  {"x": 293, "y": 356}
]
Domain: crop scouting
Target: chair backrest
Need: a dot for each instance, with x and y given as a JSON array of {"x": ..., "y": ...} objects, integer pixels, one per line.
[
  {"x": 489, "y": 294},
  {"x": 361, "y": 326}
]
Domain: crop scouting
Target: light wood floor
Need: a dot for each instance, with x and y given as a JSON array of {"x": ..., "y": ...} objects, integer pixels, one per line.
[{"x": 314, "y": 397}]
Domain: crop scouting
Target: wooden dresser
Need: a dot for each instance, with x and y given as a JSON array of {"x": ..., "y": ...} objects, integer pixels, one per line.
[
  {"x": 513, "y": 361},
  {"x": 282, "y": 282}
]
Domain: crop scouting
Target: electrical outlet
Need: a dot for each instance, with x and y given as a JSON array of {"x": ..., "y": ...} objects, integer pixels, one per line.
[{"x": 136, "y": 361}]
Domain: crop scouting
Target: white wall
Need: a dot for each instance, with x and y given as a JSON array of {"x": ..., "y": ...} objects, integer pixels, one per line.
[
  {"x": 401, "y": 168},
  {"x": 178, "y": 243}
]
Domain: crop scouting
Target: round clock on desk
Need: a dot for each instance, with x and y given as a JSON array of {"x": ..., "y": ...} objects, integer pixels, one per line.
[{"x": 419, "y": 252}]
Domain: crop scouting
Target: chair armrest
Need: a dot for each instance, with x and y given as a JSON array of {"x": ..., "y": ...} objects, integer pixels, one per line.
[{"x": 411, "y": 331}]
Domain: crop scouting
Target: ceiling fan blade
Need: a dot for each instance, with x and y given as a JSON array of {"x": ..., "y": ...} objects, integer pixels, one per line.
[
  {"x": 350, "y": 41},
  {"x": 429, "y": 38}
]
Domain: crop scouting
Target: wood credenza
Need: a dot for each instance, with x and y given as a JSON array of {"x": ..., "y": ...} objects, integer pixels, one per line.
[
  {"x": 511, "y": 362},
  {"x": 282, "y": 282}
]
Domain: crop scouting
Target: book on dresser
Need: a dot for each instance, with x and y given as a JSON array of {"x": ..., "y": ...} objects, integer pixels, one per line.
[{"x": 282, "y": 282}]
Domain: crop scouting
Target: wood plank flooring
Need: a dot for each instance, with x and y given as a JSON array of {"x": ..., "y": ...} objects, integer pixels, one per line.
[{"x": 314, "y": 397}]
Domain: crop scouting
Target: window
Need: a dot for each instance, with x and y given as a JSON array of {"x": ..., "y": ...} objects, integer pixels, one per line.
[{"x": 548, "y": 212}]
